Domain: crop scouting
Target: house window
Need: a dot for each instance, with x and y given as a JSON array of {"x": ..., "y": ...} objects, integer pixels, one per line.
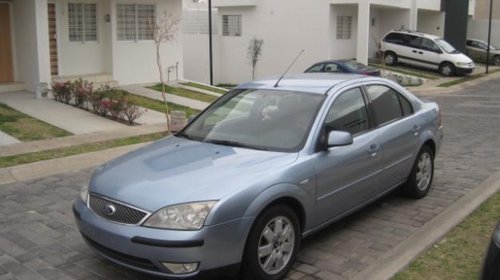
[
  {"x": 135, "y": 21},
  {"x": 82, "y": 22},
  {"x": 344, "y": 27},
  {"x": 231, "y": 25}
]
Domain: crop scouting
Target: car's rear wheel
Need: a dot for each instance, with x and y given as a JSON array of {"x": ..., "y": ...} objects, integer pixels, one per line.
[
  {"x": 420, "y": 180},
  {"x": 447, "y": 69},
  {"x": 390, "y": 58},
  {"x": 272, "y": 244},
  {"x": 496, "y": 60}
]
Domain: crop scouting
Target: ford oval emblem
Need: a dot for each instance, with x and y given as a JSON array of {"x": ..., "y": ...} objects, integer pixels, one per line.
[{"x": 109, "y": 209}]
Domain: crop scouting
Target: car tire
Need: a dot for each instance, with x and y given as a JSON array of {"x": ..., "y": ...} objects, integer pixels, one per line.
[
  {"x": 271, "y": 249},
  {"x": 420, "y": 180},
  {"x": 390, "y": 58},
  {"x": 447, "y": 69},
  {"x": 496, "y": 60}
]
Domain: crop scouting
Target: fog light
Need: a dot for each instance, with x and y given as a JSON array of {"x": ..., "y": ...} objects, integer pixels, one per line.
[{"x": 181, "y": 268}]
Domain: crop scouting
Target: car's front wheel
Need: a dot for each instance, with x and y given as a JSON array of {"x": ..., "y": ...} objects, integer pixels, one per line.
[
  {"x": 420, "y": 180},
  {"x": 272, "y": 244},
  {"x": 447, "y": 69}
]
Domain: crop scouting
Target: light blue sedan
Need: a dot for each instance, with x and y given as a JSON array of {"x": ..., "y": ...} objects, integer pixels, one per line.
[{"x": 264, "y": 166}]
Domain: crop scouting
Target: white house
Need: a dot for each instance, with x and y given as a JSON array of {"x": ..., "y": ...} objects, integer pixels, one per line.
[
  {"x": 43, "y": 39},
  {"x": 325, "y": 29}
]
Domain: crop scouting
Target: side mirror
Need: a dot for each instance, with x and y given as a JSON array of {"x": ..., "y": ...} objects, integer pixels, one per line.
[{"x": 339, "y": 138}]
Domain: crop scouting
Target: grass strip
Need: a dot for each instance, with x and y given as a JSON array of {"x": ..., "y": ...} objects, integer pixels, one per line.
[
  {"x": 226, "y": 85},
  {"x": 26, "y": 128},
  {"x": 186, "y": 93},
  {"x": 406, "y": 72},
  {"x": 459, "y": 255},
  {"x": 158, "y": 105},
  {"x": 204, "y": 87},
  {"x": 79, "y": 149},
  {"x": 466, "y": 79}
]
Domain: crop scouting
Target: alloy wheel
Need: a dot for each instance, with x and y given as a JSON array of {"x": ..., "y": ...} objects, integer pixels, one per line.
[{"x": 276, "y": 245}]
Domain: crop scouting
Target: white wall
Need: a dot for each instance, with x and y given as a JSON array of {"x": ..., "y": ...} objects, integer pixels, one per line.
[
  {"x": 135, "y": 62},
  {"x": 76, "y": 58},
  {"x": 478, "y": 29},
  {"x": 31, "y": 42},
  {"x": 343, "y": 49},
  {"x": 431, "y": 22}
]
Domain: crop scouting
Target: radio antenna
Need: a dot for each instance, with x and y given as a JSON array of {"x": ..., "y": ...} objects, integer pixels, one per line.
[{"x": 284, "y": 73}]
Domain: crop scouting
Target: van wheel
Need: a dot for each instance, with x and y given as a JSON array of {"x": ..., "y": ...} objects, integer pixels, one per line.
[
  {"x": 496, "y": 60},
  {"x": 390, "y": 58},
  {"x": 447, "y": 69},
  {"x": 272, "y": 244},
  {"x": 420, "y": 180}
]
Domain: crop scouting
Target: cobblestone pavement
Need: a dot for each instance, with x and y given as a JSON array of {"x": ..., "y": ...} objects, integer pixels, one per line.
[{"x": 38, "y": 238}]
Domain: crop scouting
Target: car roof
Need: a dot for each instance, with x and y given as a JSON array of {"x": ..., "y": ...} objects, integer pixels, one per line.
[
  {"x": 333, "y": 61},
  {"x": 305, "y": 82},
  {"x": 416, "y": 33}
]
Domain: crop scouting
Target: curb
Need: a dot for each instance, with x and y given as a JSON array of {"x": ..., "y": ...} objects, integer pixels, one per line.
[
  {"x": 50, "y": 167},
  {"x": 402, "y": 255}
]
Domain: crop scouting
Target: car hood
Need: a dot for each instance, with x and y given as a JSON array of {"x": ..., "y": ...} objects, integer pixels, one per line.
[
  {"x": 460, "y": 57},
  {"x": 175, "y": 170}
]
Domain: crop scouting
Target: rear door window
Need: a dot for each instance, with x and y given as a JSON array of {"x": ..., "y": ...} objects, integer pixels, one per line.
[{"x": 387, "y": 104}]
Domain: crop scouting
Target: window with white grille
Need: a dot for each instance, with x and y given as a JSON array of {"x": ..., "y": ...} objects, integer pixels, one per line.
[
  {"x": 344, "y": 27},
  {"x": 135, "y": 21},
  {"x": 231, "y": 25},
  {"x": 82, "y": 22}
]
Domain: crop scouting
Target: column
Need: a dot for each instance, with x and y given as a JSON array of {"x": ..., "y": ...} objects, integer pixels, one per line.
[{"x": 363, "y": 38}]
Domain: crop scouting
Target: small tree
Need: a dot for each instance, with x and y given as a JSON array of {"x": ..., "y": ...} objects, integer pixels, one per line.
[
  {"x": 254, "y": 53},
  {"x": 164, "y": 31}
]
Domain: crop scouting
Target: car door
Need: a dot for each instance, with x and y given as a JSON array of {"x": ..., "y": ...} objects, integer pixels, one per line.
[
  {"x": 425, "y": 52},
  {"x": 392, "y": 114},
  {"x": 345, "y": 176}
]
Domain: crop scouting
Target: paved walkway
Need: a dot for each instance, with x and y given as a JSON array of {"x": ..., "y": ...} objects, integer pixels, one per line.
[
  {"x": 58, "y": 114},
  {"x": 141, "y": 90},
  {"x": 38, "y": 238},
  {"x": 6, "y": 139}
]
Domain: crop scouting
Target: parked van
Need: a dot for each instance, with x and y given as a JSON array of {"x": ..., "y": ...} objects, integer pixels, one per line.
[{"x": 425, "y": 50}]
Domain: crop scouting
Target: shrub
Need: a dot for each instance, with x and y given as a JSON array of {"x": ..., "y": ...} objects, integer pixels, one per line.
[
  {"x": 132, "y": 112},
  {"x": 62, "y": 91},
  {"x": 82, "y": 91},
  {"x": 96, "y": 100}
]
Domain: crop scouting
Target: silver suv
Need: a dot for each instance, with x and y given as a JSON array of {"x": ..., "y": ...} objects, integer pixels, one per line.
[{"x": 425, "y": 50}]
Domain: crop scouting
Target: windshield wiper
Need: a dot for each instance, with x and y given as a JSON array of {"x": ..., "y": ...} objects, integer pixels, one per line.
[{"x": 231, "y": 143}]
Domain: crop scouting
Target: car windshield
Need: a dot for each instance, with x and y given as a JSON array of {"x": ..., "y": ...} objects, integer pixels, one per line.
[
  {"x": 353, "y": 65},
  {"x": 446, "y": 46},
  {"x": 274, "y": 120}
]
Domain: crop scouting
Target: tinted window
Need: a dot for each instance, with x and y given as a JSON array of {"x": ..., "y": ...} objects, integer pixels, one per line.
[
  {"x": 395, "y": 38},
  {"x": 315, "y": 68},
  {"x": 385, "y": 104},
  {"x": 405, "y": 105},
  {"x": 348, "y": 113},
  {"x": 331, "y": 67}
]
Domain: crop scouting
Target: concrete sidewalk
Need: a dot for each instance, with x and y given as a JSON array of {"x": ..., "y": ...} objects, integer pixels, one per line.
[
  {"x": 6, "y": 139},
  {"x": 64, "y": 116}
]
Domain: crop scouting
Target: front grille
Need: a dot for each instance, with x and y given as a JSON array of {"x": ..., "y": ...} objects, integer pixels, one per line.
[
  {"x": 114, "y": 211},
  {"x": 120, "y": 257}
]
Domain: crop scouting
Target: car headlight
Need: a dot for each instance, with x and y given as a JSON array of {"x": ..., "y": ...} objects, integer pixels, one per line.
[
  {"x": 84, "y": 193},
  {"x": 189, "y": 216}
]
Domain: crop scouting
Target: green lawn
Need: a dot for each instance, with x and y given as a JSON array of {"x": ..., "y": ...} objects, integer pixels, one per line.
[
  {"x": 459, "y": 255},
  {"x": 74, "y": 150},
  {"x": 157, "y": 105},
  {"x": 26, "y": 128},
  {"x": 205, "y": 87},
  {"x": 186, "y": 93}
]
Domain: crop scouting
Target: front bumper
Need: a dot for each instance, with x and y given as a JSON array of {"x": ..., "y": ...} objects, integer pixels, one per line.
[
  {"x": 464, "y": 70},
  {"x": 144, "y": 249}
]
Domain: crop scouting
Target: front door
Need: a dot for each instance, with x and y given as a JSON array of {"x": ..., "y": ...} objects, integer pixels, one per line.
[
  {"x": 6, "y": 72},
  {"x": 54, "y": 65}
]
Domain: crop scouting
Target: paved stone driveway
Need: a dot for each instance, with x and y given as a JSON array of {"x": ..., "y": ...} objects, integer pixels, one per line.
[{"x": 38, "y": 239}]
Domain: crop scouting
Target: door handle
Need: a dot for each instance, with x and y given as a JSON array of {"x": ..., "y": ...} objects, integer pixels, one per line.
[
  {"x": 373, "y": 149},
  {"x": 415, "y": 129}
]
